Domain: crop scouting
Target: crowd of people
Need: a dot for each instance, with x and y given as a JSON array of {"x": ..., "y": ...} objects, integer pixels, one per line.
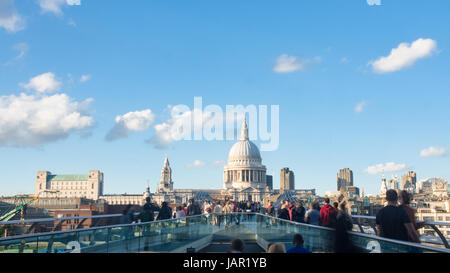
[{"x": 395, "y": 221}]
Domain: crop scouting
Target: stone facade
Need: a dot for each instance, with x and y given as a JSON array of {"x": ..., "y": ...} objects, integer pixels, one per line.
[
  {"x": 88, "y": 186},
  {"x": 126, "y": 199}
]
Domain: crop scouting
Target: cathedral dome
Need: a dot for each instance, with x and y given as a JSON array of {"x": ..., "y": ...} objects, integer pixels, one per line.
[{"x": 244, "y": 152}]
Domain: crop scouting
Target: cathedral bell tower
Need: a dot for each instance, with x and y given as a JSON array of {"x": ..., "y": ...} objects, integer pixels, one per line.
[{"x": 166, "y": 183}]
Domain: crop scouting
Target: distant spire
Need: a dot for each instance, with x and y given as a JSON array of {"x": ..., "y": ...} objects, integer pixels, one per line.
[
  {"x": 244, "y": 130},
  {"x": 166, "y": 161}
]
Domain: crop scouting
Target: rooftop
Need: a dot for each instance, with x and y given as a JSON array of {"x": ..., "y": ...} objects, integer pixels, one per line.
[{"x": 68, "y": 177}]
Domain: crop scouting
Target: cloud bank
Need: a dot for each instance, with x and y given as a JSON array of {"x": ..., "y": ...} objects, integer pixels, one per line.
[{"x": 32, "y": 120}]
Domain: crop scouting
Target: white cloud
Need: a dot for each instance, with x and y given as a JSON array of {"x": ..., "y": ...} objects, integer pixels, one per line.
[
  {"x": 10, "y": 19},
  {"x": 32, "y": 120},
  {"x": 85, "y": 78},
  {"x": 55, "y": 6},
  {"x": 434, "y": 152},
  {"x": 196, "y": 163},
  {"x": 199, "y": 163},
  {"x": 344, "y": 60},
  {"x": 374, "y": 2},
  {"x": 288, "y": 64},
  {"x": 218, "y": 163},
  {"x": 405, "y": 55},
  {"x": 43, "y": 83},
  {"x": 388, "y": 167},
  {"x": 360, "y": 107},
  {"x": 22, "y": 48},
  {"x": 131, "y": 122}
]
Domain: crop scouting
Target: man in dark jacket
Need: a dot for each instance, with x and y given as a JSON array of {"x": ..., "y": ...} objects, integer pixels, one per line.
[
  {"x": 165, "y": 212},
  {"x": 148, "y": 211},
  {"x": 299, "y": 213},
  {"x": 283, "y": 213},
  {"x": 193, "y": 208}
]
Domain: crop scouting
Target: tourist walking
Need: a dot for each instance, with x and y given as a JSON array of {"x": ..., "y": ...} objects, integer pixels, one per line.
[
  {"x": 299, "y": 213},
  {"x": 328, "y": 215},
  {"x": 405, "y": 200},
  {"x": 312, "y": 216},
  {"x": 393, "y": 222},
  {"x": 165, "y": 212},
  {"x": 218, "y": 214}
]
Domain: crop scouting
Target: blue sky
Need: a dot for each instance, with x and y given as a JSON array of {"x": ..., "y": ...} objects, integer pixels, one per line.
[{"x": 138, "y": 55}]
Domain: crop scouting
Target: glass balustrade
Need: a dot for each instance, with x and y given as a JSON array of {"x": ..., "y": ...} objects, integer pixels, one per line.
[{"x": 175, "y": 234}]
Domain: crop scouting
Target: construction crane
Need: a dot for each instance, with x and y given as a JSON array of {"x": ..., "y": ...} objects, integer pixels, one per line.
[{"x": 21, "y": 203}]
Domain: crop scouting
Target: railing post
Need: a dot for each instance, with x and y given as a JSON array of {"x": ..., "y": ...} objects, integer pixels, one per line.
[
  {"x": 444, "y": 240},
  {"x": 107, "y": 239}
]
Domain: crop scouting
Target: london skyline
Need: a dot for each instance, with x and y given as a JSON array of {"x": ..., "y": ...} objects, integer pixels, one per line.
[{"x": 350, "y": 94}]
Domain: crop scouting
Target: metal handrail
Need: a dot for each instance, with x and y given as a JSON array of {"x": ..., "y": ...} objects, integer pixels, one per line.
[
  {"x": 41, "y": 220},
  {"x": 433, "y": 225},
  {"x": 404, "y": 243},
  {"x": 425, "y": 222},
  {"x": 24, "y": 236}
]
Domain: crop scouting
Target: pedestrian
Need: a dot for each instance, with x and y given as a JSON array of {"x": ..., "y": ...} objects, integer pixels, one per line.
[
  {"x": 328, "y": 215},
  {"x": 299, "y": 213},
  {"x": 344, "y": 217},
  {"x": 165, "y": 212},
  {"x": 405, "y": 200},
  {"x": 148, "y": 211},
  {"x": 270, "y": 211},
  {"x": 276, "y": 248},
  {"x": 127, "y": 215},
  {"x": 283, "y": 213},
  {"x": 341, "y": 239},
  {"x": 298, "y": 245},
  {"x": 179, "y": 212},
  {"x": 291, "y": 209},
  {"x": 218, "y": 214},
  {"x": 312, "y": 216},
  {"x": 193, "y": 208},
  {"x": 237, "y": 246},
  {"x": 393, "y": 222}
]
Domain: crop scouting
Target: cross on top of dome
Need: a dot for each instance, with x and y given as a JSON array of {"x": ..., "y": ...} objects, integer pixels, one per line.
[{"x": 244, "y": 130}]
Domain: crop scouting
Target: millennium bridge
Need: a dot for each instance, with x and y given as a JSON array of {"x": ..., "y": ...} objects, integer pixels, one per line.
[{"x": 201, "y": 234}]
